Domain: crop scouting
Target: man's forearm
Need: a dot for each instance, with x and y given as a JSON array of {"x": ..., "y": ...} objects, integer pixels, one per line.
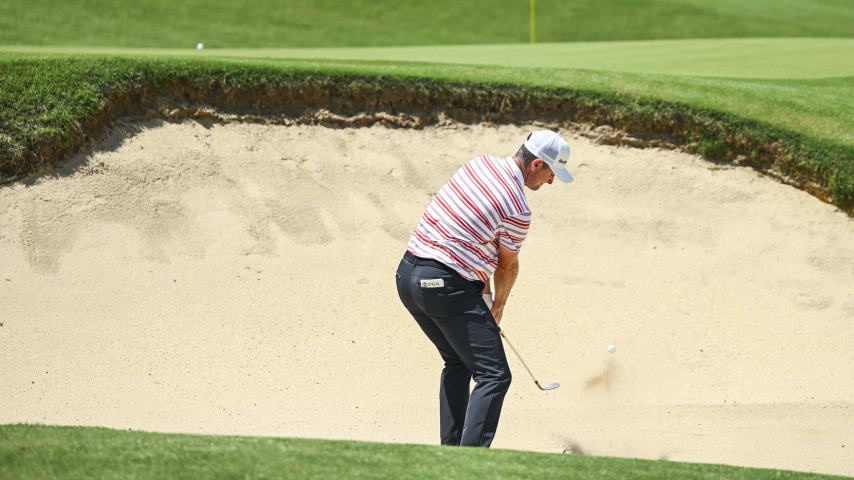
[{"x": 504, "y": 278}]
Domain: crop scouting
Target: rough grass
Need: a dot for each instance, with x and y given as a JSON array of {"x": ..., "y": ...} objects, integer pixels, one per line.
[
  {"x": 50, "y": 104},
  {"x": 315, "y": 23},
  {"x": 35, "y": 452}
]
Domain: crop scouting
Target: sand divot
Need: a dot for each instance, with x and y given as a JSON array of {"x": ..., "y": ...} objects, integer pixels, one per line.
[{"x": 236, "y": 278}]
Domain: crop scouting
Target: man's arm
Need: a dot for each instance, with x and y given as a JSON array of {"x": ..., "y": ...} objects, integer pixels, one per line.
[{"x": 504, "y": 278}]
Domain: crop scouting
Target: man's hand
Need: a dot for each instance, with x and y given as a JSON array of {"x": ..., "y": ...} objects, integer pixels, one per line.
[{"x": 490, "y": 303}]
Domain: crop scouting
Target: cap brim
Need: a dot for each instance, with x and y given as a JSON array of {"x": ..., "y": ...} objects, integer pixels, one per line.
[{"x": 562, "y": 174}]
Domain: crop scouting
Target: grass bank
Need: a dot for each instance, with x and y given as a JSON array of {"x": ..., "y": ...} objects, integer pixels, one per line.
[
  {"x": 33, "y": 452},
  {"x": 800, "y": 130}
]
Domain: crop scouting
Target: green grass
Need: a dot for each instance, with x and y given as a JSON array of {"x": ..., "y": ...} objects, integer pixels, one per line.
[
  {"x": 35, "y": 452},
  {"x": 789, "y": 58},
  {"x": 716, "y": 70},
  {"x": 711, "y": 69},
  {"x": 326, "y": 23},
  {"x": 45, "y": 99}
]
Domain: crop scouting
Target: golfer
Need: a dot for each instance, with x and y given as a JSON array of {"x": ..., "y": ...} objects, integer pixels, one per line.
[{"x": 472, "y": 232}]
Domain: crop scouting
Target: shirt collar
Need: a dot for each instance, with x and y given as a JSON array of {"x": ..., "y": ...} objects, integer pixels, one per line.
[{"x": 520, "y": 179}]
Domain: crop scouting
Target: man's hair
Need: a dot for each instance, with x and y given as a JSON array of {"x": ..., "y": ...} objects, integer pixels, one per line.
[{"x": 526, "y": 156}]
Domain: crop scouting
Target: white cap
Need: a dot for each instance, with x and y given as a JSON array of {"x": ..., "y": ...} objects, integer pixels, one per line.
[{"x": 553, "y": 150}]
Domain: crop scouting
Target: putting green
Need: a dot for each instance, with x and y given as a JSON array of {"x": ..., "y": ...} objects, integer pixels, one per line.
[{"x": 791, "y": 58}]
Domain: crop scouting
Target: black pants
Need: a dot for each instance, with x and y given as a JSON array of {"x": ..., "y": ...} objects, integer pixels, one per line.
[{"x": 451, "y": 311}]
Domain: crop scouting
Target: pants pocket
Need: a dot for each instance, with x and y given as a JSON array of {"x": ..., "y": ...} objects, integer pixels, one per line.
[{"x": 451, "y": 299}]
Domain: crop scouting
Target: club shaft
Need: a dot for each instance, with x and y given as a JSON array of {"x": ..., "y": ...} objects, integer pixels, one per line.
[{"x": 520, "y": 359}]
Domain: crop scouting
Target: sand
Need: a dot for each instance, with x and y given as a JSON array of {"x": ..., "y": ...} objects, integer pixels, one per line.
[{"x": 230, "y": 278}]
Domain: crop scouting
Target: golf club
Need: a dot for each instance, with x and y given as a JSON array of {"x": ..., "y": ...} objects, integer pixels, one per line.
[{"x": 550, "y": 386}]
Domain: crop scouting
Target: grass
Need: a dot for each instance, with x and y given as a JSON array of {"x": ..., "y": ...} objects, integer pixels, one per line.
[
  {"x": 328, "y": 23},
  {"x": 767, "y": 58},
  {"x": 35, "y": 452},
  {"x": 730, "y": 74},
  {"x": 716, "y": 70},
  {"x": 46, "y": 98}
]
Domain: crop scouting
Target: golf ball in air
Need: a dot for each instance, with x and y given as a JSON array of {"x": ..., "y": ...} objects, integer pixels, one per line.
[
  {"x": 612, "y": 348},
  {"x": 200, "y": 46}
]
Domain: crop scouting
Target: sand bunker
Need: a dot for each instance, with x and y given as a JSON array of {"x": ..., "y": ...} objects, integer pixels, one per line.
[{"x": 238, "y": 279}]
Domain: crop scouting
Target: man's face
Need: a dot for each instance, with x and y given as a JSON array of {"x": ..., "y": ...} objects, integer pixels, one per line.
[{"x": 539, "y": 173}]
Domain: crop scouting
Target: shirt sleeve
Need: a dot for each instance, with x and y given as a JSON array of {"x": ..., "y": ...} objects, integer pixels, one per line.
[{"x": 513, "y": 230}]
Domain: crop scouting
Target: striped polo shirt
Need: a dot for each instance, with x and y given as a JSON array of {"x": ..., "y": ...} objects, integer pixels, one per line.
[{"x": 482, "y": 206}]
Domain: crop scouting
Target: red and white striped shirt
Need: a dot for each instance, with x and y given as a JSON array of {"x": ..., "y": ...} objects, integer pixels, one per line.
[{"x": 482, "y": 205}]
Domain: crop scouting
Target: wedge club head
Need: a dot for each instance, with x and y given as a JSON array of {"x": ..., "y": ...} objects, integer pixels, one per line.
[{"x": 550, "y": 386}]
